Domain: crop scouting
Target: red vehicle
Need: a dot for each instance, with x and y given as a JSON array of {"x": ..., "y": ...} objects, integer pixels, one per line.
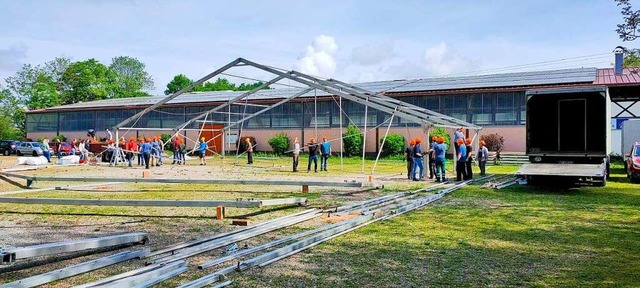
[
  {"x": 64, "y": 149},
  {"x": 632, "y": 163}
]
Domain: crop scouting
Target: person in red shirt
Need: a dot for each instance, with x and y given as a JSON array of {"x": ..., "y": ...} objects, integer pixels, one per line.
[{"x": 129, "y": 147}]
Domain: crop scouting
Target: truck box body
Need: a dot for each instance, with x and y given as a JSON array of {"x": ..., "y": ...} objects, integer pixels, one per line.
[
  {"x": 630, "y": 134},
  {"x": 567, "y": 126}
]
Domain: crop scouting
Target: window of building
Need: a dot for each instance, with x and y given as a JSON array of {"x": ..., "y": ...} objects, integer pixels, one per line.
[
  {"x": 455, "y": 106},
  {"x": 42, "y": 122},
  {"x": 287, "y": 115},
  {"x": 506, "y": 109},
  {"x": 480, "y": 108},
  {"x": 77, "y": 120}
]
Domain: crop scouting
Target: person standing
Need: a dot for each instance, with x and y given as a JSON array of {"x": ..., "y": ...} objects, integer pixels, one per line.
[
  {"x": 417, "y": 161},
  {"x": 469, "y": 163},
  {"x": 140, "y": 154},
  {"x": 176, "y": 150},
  {"x": 325, "y": 151},
  {"x": 160, "y": 150},
  {"x": 249, "y": 150},
  {"x": 461, "y": 158},
  {"x": 296, "y": 154},
  {"x": 155, "y": 151},
  {"x": 313, "y": 155},
  {"x": 130, "y": 147},
  {"x": 432, "y": 158},
  {"x": 483, "y": 155},
  {"x": 202, "y": 150},
  {"x": 46, "y": 150},
  {"x": 145, "y": 148},
  {"x": 439, "y": 151},
  {"x": 457, "y": 135},
  {"x": 183, "y": 151},
  {"x": 408, "y": 155}
]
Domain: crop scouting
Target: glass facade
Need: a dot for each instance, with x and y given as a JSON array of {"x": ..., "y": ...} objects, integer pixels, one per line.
[{"x": 484, "y": 109}]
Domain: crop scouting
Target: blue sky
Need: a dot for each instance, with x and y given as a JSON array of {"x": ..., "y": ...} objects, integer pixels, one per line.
[{"x": 347, "y": 40}]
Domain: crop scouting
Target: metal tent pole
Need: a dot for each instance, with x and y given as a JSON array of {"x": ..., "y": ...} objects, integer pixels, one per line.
[
  {"x": 382, "y": 146},
  {"x": 364, "y": 139},
  {"x": 341, "y": 140}
]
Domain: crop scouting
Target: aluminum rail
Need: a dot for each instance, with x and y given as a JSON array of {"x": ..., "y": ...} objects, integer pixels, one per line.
[
  {"x": 178, "y": 180},
  {"x": 141, "y": 278},
  {"x": 163, "y": 277},
  {"x": 175, "y": 247},
  {"x": 77, "y": 269},
  {"x": 58, "y": 188},
  {"x": 211, "y": 278},
  {"x": 13, "y": 253},
  {"x": 208, "y": 246},
  {"x": 121, "y": 276},
  {"x": 155, "y": 203},
  {"x": 268, "y": 245}
]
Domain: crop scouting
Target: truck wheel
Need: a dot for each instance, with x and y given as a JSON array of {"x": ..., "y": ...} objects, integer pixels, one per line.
[
  {"x": 6, "y": 152},
  {"x": 34, "y": 154},
  {"x": 19, "y": 153}
]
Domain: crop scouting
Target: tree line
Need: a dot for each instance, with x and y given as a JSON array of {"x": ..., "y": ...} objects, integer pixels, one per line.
[{"x": 62, "y": 81}]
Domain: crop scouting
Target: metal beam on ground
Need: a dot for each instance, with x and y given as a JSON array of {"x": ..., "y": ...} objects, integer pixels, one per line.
[
  {"x": 211, "y": 278},
  {"x": 179, "y": 246},
  {"x": 190, "y": 181},
  {"x": 14, "y": 253},
  {"x": 77, "y": 269},
  {"x": 143, "y": 277},
  {"x": 120, "y": 276},
  {"x": 57, "y": 188},
  {"x": 208, "y": 246},
  {"x": 155, "y": 203},
  {"x": 163, "y": 277}
]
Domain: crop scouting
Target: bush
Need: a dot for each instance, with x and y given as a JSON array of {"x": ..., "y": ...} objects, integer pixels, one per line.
[
  {"x": 352, "y": 140},
  {"x": 494, "y": 142},
  {"x": 166, "y": 139},
  {"x": 394, "y": 144},
  {"x": 60, "y": 138},
  {"x": 280, "y": 143},
  {"x": 440, "y": 132}
]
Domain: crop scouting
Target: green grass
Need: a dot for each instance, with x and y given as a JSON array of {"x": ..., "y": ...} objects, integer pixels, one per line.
[{"x": 515, "y": 237}]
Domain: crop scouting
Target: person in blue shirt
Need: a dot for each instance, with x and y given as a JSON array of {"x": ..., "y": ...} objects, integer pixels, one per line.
[
  {"x": 155, "y": 151},
  {"x": 202, "y": 150},
  {"x": 457, "y": 135},
  {"x": 325, "y": 151},
  {"x": 461, "y": 158},
  {"x": 417, "y": 161},
  {"x": 145, "y": 148},
  {"x": 439, "y": 150}
]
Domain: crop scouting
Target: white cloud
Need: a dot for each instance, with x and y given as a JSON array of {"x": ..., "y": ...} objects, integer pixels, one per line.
[
  {"x": 442, "y": 60},
  {"x": 372, "y": 54},
  {"x": 319, "y": 58}
]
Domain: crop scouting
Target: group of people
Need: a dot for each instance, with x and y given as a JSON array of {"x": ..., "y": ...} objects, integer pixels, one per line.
[
  {"x": 79, "y": 147},
  {"x": 149, "y": 151},
  {"x": 437, "y": 160},
  {"x": 315, "y": 149}
]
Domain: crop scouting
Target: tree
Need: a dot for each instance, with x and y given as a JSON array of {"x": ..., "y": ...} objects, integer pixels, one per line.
[
  {"x": 39, "y": 86},
  {"x": 85, "y": 81},
  {"x": 221, "y": 84},
  {"x": 178, "y": 83},
  {"x": 628, "y": 30},
  {"x": 128, "y": 78},
  {"x": 11, "y": 116}
]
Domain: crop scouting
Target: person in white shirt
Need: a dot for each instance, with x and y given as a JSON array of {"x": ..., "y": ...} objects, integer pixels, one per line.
[{"x": 296, "y": 154}]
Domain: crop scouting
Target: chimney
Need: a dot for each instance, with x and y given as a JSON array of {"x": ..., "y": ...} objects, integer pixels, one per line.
[{"x": 619, "y": 52}]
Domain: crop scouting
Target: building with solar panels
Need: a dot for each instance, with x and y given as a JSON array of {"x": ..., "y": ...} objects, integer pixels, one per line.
[{"x": 496, "y": 102}]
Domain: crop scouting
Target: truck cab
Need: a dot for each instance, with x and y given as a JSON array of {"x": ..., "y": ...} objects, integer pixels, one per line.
[{"x": 567, "y": 136}]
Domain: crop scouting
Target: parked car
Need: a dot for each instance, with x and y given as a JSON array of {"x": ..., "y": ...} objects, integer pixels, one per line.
[
  {"x": 8, "y": 147},
  {"x": 632, "y": 163},
  {"x": 29, "y": 148}
]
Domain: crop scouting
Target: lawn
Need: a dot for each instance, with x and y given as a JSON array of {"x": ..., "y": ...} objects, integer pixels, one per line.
[
  {"x": 475, "y": 237},
  {"x": 519, "y": 236}
]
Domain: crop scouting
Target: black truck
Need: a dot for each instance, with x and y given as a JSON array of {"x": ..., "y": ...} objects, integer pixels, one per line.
[{"x": 567, "y": 134}]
